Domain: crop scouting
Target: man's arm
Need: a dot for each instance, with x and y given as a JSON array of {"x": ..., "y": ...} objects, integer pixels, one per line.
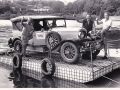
[
  {"x": 110, "y": 25},
  {"x": 108, "y": 28},
  {"x": 83, "y": 23},
  {"x": 94, "y": 30}
]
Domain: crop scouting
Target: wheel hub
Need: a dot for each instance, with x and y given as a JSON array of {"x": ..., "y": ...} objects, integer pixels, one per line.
[
  {"x": 53, "y": 41},
  {"x": 69, "y": 52},
  {"x": 48, "y": 67},
  {"x": 17, "y": 47}
]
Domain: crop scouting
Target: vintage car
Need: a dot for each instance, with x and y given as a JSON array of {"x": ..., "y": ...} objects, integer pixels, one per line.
[{"x": 57, "y": 34}]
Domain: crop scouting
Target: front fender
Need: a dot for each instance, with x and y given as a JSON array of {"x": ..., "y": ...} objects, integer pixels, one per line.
[
  {"x": 76, "y": 42},
  {"x": 11, "y": 42}
]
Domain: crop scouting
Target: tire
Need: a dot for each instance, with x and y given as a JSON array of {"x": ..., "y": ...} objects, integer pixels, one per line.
[
  {"x": 52, "y": 40},
  {"x": 48, "y": 70},
  {"x": 17, "y": 62},
  {"x": 18, "y": 46},
  {"x": 69, "y": 52}
]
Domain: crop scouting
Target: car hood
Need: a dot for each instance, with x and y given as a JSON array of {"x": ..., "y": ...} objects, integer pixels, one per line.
[{"x": 68, "y": 33}]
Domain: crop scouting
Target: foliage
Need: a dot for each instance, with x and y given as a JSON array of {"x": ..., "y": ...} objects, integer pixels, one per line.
[{"x": 95, "y": 7}]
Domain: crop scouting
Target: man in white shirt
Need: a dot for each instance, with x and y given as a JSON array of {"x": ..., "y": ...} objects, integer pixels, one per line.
[{"x": 107, "y": 23}]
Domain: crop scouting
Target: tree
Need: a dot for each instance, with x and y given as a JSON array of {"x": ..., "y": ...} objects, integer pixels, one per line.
[{"x": 58, "y": 6}]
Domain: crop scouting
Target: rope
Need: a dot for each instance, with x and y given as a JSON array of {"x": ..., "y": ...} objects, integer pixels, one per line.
[
  {"x": 91, "y": 54},
  {"x": 111, "y": 79}
]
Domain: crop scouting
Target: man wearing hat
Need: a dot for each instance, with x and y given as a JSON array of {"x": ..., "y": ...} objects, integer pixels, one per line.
[{"x": 27, "y": 33}]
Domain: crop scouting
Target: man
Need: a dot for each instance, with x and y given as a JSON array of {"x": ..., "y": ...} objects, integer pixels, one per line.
[
  {"x": 45, "y": 25},
  {"x": 26, "y": 34},
  {"x": 107, "y": 23},
  {"x": 37, "y": 26},
  {"x": 88, "y": 24}
]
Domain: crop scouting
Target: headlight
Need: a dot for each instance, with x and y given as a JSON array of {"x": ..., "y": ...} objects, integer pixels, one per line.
[{"x": 81, "y": 34}]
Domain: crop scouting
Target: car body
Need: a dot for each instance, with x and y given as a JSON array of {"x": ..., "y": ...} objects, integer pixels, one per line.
[{"x": 61, "y": 35}]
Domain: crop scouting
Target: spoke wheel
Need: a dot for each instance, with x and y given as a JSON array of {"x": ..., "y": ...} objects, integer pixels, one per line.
[
  {"x": 52, "y": 40},
  {"x": 18, "y": 46},
  {"x": 69, "y": 52}
]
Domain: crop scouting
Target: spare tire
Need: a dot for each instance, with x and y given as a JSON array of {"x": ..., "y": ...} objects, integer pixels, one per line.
[
  {"x": 52, "y": 40},
  {"x": 17, "y": 61},
  {"x": 48, "y": 67}
]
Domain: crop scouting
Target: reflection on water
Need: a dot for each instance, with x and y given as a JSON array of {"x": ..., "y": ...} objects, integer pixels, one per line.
[{"x": 23, "y": 81}]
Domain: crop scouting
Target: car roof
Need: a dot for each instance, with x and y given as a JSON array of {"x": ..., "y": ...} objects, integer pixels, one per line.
[{"x": 35, "y": 17}]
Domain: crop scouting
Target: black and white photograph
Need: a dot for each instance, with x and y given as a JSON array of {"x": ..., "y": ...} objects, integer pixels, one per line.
[{"x": 59, "y": 43}]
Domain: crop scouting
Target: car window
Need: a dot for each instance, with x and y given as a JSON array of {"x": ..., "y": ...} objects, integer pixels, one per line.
[
  {"x": 17, "y": 26},
  {"x": 56, "y": 23},
  {"x": 60, "y": 23},
  {"x": 41, "y": 23},
  {"x": 38, "y": 25}
]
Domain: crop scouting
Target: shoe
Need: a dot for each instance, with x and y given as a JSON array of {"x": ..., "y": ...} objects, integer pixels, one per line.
[
  {"x": 11, "y": 76},
  {"x": 105, "y": 57},
  {"x": 27, "y": 55}
]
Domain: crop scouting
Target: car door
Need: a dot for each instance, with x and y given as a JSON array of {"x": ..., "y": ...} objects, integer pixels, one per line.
[{"x": 40, "y": 34}]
